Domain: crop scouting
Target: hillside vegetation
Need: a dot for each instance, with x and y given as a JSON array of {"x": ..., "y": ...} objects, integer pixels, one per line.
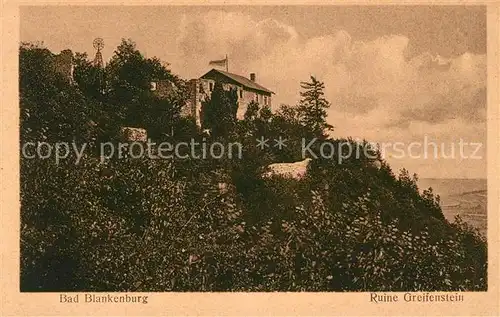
[{"x": 141, "y": 224}]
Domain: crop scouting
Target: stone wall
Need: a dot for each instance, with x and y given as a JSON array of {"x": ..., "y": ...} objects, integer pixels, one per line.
[
  {"x": 129, "y": 134},
  {"x": 63, "y": 64}
]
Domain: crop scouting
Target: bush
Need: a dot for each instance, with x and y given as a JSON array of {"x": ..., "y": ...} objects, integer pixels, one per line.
[{"x": 133, "y": 226}]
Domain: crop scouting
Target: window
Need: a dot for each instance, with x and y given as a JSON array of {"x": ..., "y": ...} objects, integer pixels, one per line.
[
  {"x": 211, "y": 86},
  {"x": 200, "y": 89},
  {"x": 241, "y": 93},
  {"x": 256, "y": 98},
  {"x": 265, "y": 100}
]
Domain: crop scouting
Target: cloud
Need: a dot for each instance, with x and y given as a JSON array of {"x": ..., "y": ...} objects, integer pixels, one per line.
[
  {"x": 213, "y": 34},
  {"x": 376, "y": 93}
]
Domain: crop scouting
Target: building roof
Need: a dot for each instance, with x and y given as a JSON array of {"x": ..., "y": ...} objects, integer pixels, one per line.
[{"x": 241, "y": 80}]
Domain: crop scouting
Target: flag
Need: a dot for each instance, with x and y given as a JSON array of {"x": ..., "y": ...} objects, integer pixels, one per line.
[{"x": 220, "y": 62}]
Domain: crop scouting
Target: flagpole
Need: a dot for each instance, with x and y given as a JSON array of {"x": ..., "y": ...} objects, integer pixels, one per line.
[{"x": 227, "y": 64}]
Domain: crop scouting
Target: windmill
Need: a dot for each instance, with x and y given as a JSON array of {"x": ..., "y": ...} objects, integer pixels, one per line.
[
  {"x": 98, "y": 45},
  {"x": 99, "y": 63}
]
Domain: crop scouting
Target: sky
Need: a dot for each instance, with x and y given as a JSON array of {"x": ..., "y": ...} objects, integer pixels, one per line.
[{"x": 411, "y": 78}]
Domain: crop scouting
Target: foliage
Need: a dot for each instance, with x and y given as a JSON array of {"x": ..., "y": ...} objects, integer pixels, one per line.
[
  {"x": 89, "y": 78},
  {"x": 217, "y": 225},
  {"x": 129, "y": 75},
  {"x": 50, "y": 108},
  {"x": 313, "y": 106},
  {"x": 142, "y": 228},
  {"x": 252, "y": 111},
  {"x": 219, "y": 111}
]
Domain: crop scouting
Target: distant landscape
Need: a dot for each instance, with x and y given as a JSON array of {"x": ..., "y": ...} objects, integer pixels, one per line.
[{"x": 464, "y": 197}]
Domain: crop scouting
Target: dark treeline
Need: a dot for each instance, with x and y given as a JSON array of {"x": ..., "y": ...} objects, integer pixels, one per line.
[{"x": 167, "y": 225}]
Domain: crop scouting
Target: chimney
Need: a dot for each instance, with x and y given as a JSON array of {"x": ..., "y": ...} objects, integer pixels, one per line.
[{"x": 252, "y": 76}]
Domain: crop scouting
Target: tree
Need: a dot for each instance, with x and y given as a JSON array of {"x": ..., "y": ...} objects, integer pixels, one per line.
[
  {"x": 287, "y": 124},
  {"x": 265, "y": 113},
  {"x": 51, "y": 108},
  {"x": 219, "y": 111},
  {"x": 313, "y": 106},
  {"x": 89, "y": 78},
  {"x": 128, "y": 68},
  {"x": 129, "y": 75},
  {"x": 160, "y": 115},
  {"x": 252, "y": 111}
]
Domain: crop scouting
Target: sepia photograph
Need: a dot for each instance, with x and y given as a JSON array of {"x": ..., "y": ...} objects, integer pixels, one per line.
[{"x": 253, "y": 148}]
